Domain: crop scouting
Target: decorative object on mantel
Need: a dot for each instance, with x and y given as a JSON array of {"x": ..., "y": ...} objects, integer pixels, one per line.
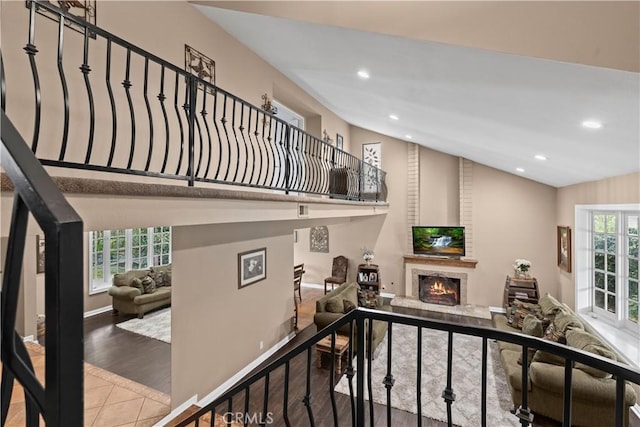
[
  {"x": 521, "y": 267},
  {"x": 319, "y": 239},
  {"x": 83, "y": 9},
  {"x": 326, "y": 138},
  {"x": 564, "y": 248},
  {"x": 267, "y": 105},
  {"x": 367, "y": 256},
  {"x": 200, "y": 65}
]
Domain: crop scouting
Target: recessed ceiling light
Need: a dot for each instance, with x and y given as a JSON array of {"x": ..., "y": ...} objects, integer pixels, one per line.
[
  {"x": 393, "y": 117},
  {"x": 520, "y": 170},
  {"x": 363, "y": 74},
  {"x": 592, "y": 124},
  {"x": 540, "y": 157},
  {"x": 408, "y": 136}
]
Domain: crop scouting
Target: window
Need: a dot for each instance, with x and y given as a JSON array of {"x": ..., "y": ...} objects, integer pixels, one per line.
[
  {"x": 116, "y": 251},
  {"x": 614, "y": 266}
]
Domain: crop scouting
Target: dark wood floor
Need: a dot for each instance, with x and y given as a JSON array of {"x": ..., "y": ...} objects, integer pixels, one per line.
[
  {"x": 133, "y": 356},
  {"x": 148, "y": 361}
]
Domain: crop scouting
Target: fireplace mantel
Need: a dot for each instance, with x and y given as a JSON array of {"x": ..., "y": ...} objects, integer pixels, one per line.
[{"x": 451, "y": 262}]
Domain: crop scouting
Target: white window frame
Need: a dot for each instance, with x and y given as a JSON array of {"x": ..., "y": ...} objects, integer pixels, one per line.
[
  {"x": 584, "y": 259},
  {"x": 102, "y": 285}
]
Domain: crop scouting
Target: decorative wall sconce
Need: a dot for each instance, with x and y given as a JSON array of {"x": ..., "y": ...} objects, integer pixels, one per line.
[
  {"x": 326, "y": 138},
  {"x": 268, "y": 106},
  {"x": 200, "y": 65},
  {"x": 83, "y": 9}
]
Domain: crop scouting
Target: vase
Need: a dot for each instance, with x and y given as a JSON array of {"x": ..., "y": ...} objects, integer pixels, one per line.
[{"x": 521, "y": 274}]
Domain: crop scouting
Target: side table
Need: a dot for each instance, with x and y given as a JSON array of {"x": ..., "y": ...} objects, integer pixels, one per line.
[{"x": 324, "y": 347}]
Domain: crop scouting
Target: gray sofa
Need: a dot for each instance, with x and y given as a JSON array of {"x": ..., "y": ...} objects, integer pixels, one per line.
[
  {"x": 593, "y": 402},
  {"x": 140, "y": 291},
  {"x": 327, "y": 313}
]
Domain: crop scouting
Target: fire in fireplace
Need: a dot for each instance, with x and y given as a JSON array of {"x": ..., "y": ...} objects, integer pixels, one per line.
[{"x": 438, "y": 289}]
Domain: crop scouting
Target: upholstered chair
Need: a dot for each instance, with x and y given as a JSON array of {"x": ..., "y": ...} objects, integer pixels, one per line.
[{"x": 338, "y": 272}]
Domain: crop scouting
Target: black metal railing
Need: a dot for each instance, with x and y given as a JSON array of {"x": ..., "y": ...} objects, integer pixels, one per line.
[
  {"x": 135, "y": 113},
  {"x": 61, "y": 402},
  {"x": 361, "y": 410}
]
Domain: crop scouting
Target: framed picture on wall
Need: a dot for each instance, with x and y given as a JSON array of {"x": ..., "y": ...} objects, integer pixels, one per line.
[
  {"x": 339, "y": 141},
  {"x": 39, "y": 254},
  {"x": 564, "y": 248},
  {"x": 252, "y": 267}
]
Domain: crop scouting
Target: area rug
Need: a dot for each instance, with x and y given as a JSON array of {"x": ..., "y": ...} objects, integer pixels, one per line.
[
  {"x": 466, "y": 382},
  {"x": 155, "y": 325}
]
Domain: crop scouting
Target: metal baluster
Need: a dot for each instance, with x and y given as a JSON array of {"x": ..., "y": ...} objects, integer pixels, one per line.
[
  {"x": 265, "y": 127},
  {"x": 388, "y": 379},
  {"x": 92, "y": 116},
  {"x": 285, "y": 401},
  {"x": 244, "y": 140},
  {"x": 332, "y": 379},
  {"x": 65, "y": 90},
  {"x": 287, "y": 173},
  {"x": 215, "y": 124},
  {"x": 523, "y": 413},
  {"x": 566, "y": 412},
  {"x": 235, "y": 138},
  {"x": 310, "y": 166},
  {"x": 112, "y": 102},
  {"x": 145, "y": 91},
  {"x": 369, "y": 353},
  {"x": 127, "y": 88},
  {"x": 226, "y": 133},
  {"x": 268, "y": 151},
  {"x": 280, "y": 129},
  {"x": 447, "y": 394},
  {"x": 178, "y": 115},
  {"x": 253, "y": 150},
  {"x": 483, "y": 399},
  {"x": 246, "y": 402},
  {"x": 350, "y": 373},
  {"x": 620, "y": 389},
  {"x": 31, "y": 50},
  {"x": 161, "y": 98},
  {"x": 360, "y": 369},
  {"x": 3, "y": 85},
  {"x": 229, "y": 411},
  {"x": 204, "y": 113},
  {"x": 196, "y": 122},
  {"x": 419, "y": 378},
  {"x": 265, "y": 406},
  {"x": 307, "y": 397},
  {"x": 192, "y": 88}
]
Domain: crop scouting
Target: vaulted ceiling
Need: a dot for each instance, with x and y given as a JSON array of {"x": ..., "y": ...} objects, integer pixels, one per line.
[{"x": 496, "y": 82}]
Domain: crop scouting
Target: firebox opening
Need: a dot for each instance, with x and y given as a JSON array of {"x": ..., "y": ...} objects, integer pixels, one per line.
[{"x": 438, "y": 289}]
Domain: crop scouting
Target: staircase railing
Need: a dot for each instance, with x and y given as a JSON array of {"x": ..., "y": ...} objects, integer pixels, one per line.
[
  {"x": 361, "y": 409},
  {"x": 134, "y": 113},
  {"x": 61, "y": 402}
]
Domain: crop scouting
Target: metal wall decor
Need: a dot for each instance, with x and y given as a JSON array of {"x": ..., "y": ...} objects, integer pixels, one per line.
[
  {"x": 267, "y": 105},
  {"x": 319, "y": 239},
  {"x": 200, "y": 65},
  {"x": 83, "y": 9}
]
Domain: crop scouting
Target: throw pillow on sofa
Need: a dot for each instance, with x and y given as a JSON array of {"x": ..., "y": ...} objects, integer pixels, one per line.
[
  {"x": 334, "y": 305},
  {"x": 585, "y": 341},
  {"x": 137, "y": 283},
  {"x": 348, "y": 305},
  {"x": 567, "y": 321},
  {"x": 550, "y": 306},
  {"x": 555, "y": 335},
  {"x": 149, "y": 285}
]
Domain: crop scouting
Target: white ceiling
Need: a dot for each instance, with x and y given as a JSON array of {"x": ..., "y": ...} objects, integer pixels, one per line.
[{"x": 493, "y": 108}]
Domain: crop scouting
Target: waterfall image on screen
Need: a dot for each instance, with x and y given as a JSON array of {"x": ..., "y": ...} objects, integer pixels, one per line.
[{"x": 442, "y": 241}]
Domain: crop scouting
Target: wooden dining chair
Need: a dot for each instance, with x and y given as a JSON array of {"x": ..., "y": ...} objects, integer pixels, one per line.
[
  {"x": 298, "y": 271},
  {"x": 338, "y": 272}
]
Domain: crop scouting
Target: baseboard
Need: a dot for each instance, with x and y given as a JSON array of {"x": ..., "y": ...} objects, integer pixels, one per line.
[
  {"x": 29, "y": 338},
  {"x": 180, "y": 409},
  {"x": 312, "y": 285},
  {"x": 98, "y": 311},
  {"x": 497, "y": 310},
  {"x": 239, "y": 375}
]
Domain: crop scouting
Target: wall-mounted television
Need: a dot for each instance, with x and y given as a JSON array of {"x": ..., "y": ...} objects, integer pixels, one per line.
[{"x": 438, "y": 241}]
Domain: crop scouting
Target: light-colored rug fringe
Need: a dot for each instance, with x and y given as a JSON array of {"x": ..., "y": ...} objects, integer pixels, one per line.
[
  {"x": 470, "y": 310},
  {"x": 466, "y": 382},
  {"x": 154, "y": 325}
]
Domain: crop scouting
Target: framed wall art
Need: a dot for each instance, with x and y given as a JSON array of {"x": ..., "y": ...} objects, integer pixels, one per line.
[
  {"x": 564, "y": 248},
  {"x": 319, "y": 239},
  {"x": 339, "y": 141},
  {"x": 252, "y": 267}
]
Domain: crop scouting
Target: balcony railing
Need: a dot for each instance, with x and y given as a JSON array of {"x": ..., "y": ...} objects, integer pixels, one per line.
[
  {"x": 61, "y": 402},
  {"x": 122, "y": 109},
  {"x": 361, "y": 409}
]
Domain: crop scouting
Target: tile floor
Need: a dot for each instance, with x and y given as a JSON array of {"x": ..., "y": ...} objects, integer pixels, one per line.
[{"x": 110, "y": 400}]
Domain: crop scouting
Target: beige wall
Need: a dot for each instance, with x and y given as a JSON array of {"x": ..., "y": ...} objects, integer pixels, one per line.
[
  {"x": 439, "y": 188},
  {"x": 216, "y": 327},
  {"x": 513, "y": 217},
  {"x": 617, "y": 190}
]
